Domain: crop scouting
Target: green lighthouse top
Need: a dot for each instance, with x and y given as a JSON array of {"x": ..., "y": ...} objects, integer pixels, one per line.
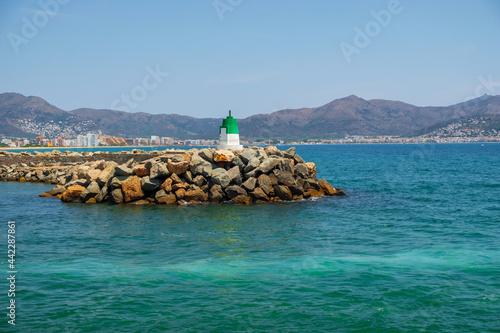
[{"x": 230, "y": 124}]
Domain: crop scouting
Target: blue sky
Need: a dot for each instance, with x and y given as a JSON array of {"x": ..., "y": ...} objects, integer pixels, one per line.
[{"x": 201, "y": 58}]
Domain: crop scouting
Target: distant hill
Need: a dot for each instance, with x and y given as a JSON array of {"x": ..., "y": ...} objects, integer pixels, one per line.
[{"x": 30, "y": 116}]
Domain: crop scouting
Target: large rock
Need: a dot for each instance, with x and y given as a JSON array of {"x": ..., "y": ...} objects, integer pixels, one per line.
[
  {"x": 247, "y": 155},
  {"x": 116, "y": 182},
  {"x": 273, "y": 151},
  {"x": 221, "y": 177},
  {"x": 249, "y": 184},
  {"x": 163, "y": 197},
  {"x": 311, "y": 169},
  {"x": 264, "y": 182},
  {"x": 72, "y": 193},
  {"x": 106, "y": 174},
  {"x": 91, "y": 191},
  {"x": 92, "y": 175},
  {"x": 167, "y": 185},
  {"x": 302, "y": 170},
  {"x": 52, "y": 193},
  {"x": 234, "y": 190},
  {"x": 284, "y": 178},
  {"x": 223, "y": 155},
  {"x": 258, "y": 195},
  {"x": 149, "y": 184},
  {"x": 289, "y": 153},
  {"x": 269, "y": 164},
  {"x": 195, "y": 195},
  {"x": 326, "y": 187},
  {"x": 159, "y": 170},
  {"x": 141, "y": 170},
  {"x": 102, "y": 194},
  {"x": 132, "y": 189},
  {"x": 243, "y": 199},
  {"x": 207, "y": 155},
  {"x": 283, "y": 192},
  {"x": 123, "y": 170},
  {"x": 251, "y": 165},
  {"x": 235, "y": 175},
  {"x": 199, "y": 180},
  {"x": 178, "y": 167},
  {"x": 216, "y": 194},
  {"x": 199, "y": 166},
  {"x": 116, "y": 196}
]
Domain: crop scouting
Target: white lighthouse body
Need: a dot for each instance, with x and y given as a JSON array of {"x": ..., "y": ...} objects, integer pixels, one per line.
[{"x": 229, "y": 137}]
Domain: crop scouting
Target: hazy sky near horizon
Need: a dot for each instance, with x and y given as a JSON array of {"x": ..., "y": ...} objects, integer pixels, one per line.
[{"x": 201, "y": 58}]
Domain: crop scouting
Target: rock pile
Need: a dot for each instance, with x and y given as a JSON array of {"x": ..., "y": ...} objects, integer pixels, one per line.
[{"x": 207, "y": 175}]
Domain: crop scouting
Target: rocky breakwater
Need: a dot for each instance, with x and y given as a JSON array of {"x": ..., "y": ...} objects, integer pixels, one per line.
[{"x": 207, "y": 175}]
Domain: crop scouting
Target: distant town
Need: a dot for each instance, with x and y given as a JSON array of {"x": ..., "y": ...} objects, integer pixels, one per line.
[{"x": 452, "y": 134}]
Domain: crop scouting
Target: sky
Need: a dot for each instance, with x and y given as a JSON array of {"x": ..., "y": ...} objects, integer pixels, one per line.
[{"x": 203, "y": 57}]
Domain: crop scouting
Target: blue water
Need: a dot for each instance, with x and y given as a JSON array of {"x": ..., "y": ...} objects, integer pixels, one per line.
[{"x": 413, "y": 247}]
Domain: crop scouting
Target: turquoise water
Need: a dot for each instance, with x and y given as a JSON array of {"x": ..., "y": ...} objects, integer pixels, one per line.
[{"x": 413, "y": 247}]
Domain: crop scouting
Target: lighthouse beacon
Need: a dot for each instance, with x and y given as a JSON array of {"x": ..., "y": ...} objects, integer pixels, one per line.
[{"x": 229, "y": 138}]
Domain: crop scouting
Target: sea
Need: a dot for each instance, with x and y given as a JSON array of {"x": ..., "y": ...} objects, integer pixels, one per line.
[{"x": 414, "y": 246}]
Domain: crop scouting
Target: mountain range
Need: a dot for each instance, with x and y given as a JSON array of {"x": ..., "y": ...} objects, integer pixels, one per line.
[{"x": 29, "y": 116}]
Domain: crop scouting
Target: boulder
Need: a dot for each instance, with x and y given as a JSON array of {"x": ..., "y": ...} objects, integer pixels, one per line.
[
  {"x": 327, "y": 188},
  {"x": 289, "y": 153},
  {"x": 72, "y": 193},
  {"x": 199, "y": 180},
  {"x": 301, "y": 170},
  {"x": 283, "y": 192},
  {"x": 287, "y": 165},
  {"x": 311, "y": 169},
  {"x": 273, "y": 151},
  {"x": 178, "y": 167},
  {"x": 247, "y": 155},
  {"x": 91, "y": 191},
  {"x": 249, "y": 184},
  {"x": 141, "y": 170},
  {"x": 221, "y": 177},
  {"x": 163, "y": 197},
  {"x": 180, "y": 194},
  {"x": 182, "y": 185},
  {"x": 207, "y": 155},
  {"x": 216, "y": 194},
  {"x": 175, "y": 179},
  {"x": 107, "y": 173},
  {"x": 116, "y": 196},
  {"x": 199, "y": 166},
  {"x": 167, "y": 185},
  {"x": 102, "y": 194},
  {"x": 269, "y": 164},
  {"x": 159, "y": 170},
  {"x": 258, "y": 194},
  {"x": 297, "y": 159},
  {"x": 234, "y": 190},
  {"x": 116, "y": 182},
  {"x": 243, "y": 199},
  {"x": 52, "y": 193},
  {"x": 92, "y": 175},
  {"x": 264, "y": 182},
  {"x": 149, "y": 185},
  {"x": 132, "y": 189},
  {"x": 251, "y": 165},
  {"x": 284, "y": 178},
  {"x": 223, "y": 155},
  {"x": 235, "y": 175},
  {"x": 195, "y": 195}
]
